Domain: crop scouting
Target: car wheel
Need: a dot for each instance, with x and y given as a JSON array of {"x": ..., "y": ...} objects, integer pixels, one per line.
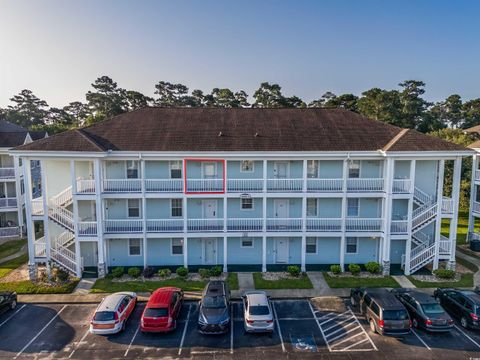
[
  {"x": 352, "y": 301},
  {"x": 415, "y": 323},
  {"x": 464, "y": 322},
  {"x": 372, "y": 326},
  {"x": 13, "y": 305}
]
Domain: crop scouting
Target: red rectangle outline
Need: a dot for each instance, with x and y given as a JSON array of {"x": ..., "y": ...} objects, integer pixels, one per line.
[{"x": 222, "y": 161}]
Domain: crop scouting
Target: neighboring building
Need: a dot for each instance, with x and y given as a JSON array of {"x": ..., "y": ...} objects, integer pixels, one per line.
[
  {"x": 252, "y": 189},
  {"x": 474, "y": 190},
  {"x": 11, "y": 178}
]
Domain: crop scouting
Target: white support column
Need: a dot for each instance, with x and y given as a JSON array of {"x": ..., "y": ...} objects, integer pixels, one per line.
[
  {"x": 185, "y": 252},
  {"x": 46, "y": 230},
  {"x": 438, "y": 220},
  {"x": 264, "y": 253},
  {"x": 225, "y": 217},
  {"x": 473, "y": 196},
  {"x": 304, "y": 218},
  {"x": 78, "y": 258},
  {"x": 457, "y": 170},
  {"x": 144, "y": 214},
  {"x": 225, "y": 253},
  {"x": 264, "y": 216},
  {"x": 387, "y": 214},
  {"x": 408, "y": 247},
  {"x": 97, "y": 168},
  {"x": 18, "y": 192},
  {"x": 27, "y": 176},
  {"x": 265, "y": 176},
  {"x": 344, "y": 214},
  {"x": 185, "y": 220}
]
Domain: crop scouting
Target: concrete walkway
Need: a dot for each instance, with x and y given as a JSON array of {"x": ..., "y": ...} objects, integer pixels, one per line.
[
  {"x": 245, "y": 281},
  {"x": 474, "y": 260},
  {"x": 20, "y": 252},
  {"x": 403, "y": 281},
  {"x": 84, "y": 286}
]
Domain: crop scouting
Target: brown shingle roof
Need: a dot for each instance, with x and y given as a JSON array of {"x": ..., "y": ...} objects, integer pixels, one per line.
[{"x": 213, "y": 129}]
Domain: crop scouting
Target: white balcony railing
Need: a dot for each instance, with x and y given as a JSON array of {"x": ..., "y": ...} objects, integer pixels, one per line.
[
  {"x": 85, "y": 186},
  {"x": 37, "y": 206},
  {"x": 366, "y": 224},
  {"x": 8, "y": 202},
  {"x": 477, "y": 175},
  {"x": 324, "y": 185},
  {"x": 122, "y": 185},
  {"x": 165, "y": 225},
  {"x": 314, "y": 224},
  {"x": 199, "y": 225},
  {"x": 401, "y": 186},
  {"x": 7, "y": 173},
  {"x": 476, "y": 207},
  {"x": 40, "y": 248},
  {"x": 9, "y": 231},
  {"x": 163, "y": 185},
  {"x": 250, "y": 185},
  {"x": 285, "y": 185},
  {"x": 364, "y": 185},
  {"x": 473, "y": 236},
  {"x": 87, "y": 228},
  {"x": 204, "y": 185},
  {"x": 447, "y": 205},
  {"x": 244, "y": 224},
  {"x": 398, "y": 226},
  {"x": 284, "y": 224},
  {"x": 444, "y": 245},
  {"x": 123, "y": 226}
]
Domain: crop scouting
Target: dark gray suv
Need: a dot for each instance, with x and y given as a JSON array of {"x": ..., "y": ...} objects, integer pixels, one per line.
[{"x": 214, "y": 309}]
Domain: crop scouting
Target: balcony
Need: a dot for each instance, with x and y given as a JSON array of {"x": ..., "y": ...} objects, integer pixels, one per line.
[
  {"x": 204, "y": 185},
  {"x": 286, "y": 224},
  {"x": 7, "y": 173},
  {"x": 289, "y": 185},
  {"x": 244, "y": 224},
  {"x": 85, "y": 186},
  {"x": 476, "y": 207},
  {"x": 8, "y": 203},
  {"x": 363, "y": 224},
  {"x": 241, "y": 185},
  {"x": 401, "y": 186},
  {"x": 364, "y": 185},
  {"x": 324, "y": 185},
  {"x": 324, "y": 224},
  {"x": 447, "y": 206},
  {"x": 444, "y": 245},
  {"x": 165, "y": 225},
  {"x": 122, "y": 185},
  {"x": 398, "y": 227},
  {"x": 477, "y": 175},
  {"x": 87, "y": 228},
  {"x": 200, "y": 225},
  {"x": 9, "y": 231},
  {"x": 37, "y": 206},
  {"x": 123, "y": 226},
  {"x": 163, "y": 185}
]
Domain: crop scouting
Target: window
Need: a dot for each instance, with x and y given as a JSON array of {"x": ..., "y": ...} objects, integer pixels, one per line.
[
  {"x": 312, "y": 168},
  {"x": 133, "y": 208},
  {"x": 311, "y": 247},
  {"x": 353, "y": 205},
  {"x": 177, "y": 247},
  {"x": 134, "y": 247},
  {"x": 132, "y": 169},
  {"x": 247, "y": 243},
  {"x": 210, "y": 170},
  {"x": 311, "y": 207},
  {"x": 22, "y": 187},
  {"x": 176, "y": 206},
  {"x": 175, "y": 169},
  {"x": 352, "y": 244},
  {"x": 354, "y": 169},
  {"x": 247, "y": 203},
  {"x": 375, "y": 309},
  {"x": 246, "y": 166}
]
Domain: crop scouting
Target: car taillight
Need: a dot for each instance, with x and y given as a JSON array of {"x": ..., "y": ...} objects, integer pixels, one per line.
[
  {"x": 269, "y": 321},
  {"x": 450, "y": 321},
  {"x": 249, "y": 321},
  {"x": 116, "y": 318},
  {"x": 428, "y": 322},
  {"x": 410, "y": 323},
  {"x": 474, "y": 316},
  {"x": 170, "y": 320},
  {"x": 381, "y": 323}
]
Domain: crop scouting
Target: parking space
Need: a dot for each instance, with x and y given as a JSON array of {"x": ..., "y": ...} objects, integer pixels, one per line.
[{"x": 301, "y": 331}]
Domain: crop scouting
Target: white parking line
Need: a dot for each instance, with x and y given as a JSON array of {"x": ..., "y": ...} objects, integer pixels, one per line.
[
  {"x": 363, "y": 330},
  {"x": 468, "y": 337},
  {"x": 184, "y": 330},
  {"x": 278, "y": 325},
  {"x": 355, "y": 344},
  {"x": 319, "y": 327},
  {"x": 231, "y": 330},
  {"x": 131, "y": 341},
  {"x": 419, "y": 338},
  {"x": 38, "y": 334},
  {"x": 81, "y": 340},
  {"x": 11, "y": 316}
]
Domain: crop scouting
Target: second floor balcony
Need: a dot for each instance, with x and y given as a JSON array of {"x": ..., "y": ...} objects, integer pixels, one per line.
[
  {"x": 8, "y": 202},
  {"x": 7, "y": 173}
]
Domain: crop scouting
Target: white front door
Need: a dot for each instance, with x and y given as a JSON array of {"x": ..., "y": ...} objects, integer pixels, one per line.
[
  {"x": 209, "y": 251},
  {"x": 209, "y": 209},
  {"x": 281, "y": 208},
  {"x": 281, "y": 250},
  {"x": 280, "y": 170},
  {"x": 209, "y": 170}
]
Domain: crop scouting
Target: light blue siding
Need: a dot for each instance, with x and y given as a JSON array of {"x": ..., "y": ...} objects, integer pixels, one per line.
[
  {"x": 194, "y": 169},
  {"x": 370, "y": 208},
  {"x": 367, "y": 250},
  {"x": 426, "y": 176},
  {"x": 233, "y": 170},
  {"x": 195, "y": 208},
  {"x": 370, "y": 169},
  {"x": 118, "y": 254},
  {"x": 159, "y": 253},
  {"x": 244, "y": 256},
  {"x": 402, "y": 169},
  {"x": 86, "y": 210},
  {"x": 234, "y": 210},
  {"x": 397, "y": 249},
  {"x": 115, "y": 169},
  {"x": 157, "y": 170},
  {"x": 331, "y": 169},
  {"x": 195, "y": 252},
  {"x": 399, "y": 209},
  {"x": 294, "y": 210},
  {"x": 295, "y": 250},
  {"x": 330, "y": 208},
  {"x": 116, "y": 208},
  {"x": 295, "y": 169},
  {"x": 158, "y": 209},
  {"x": 328, "y": 252}
]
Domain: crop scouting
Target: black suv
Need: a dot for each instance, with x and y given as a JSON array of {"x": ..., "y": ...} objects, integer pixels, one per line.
[
  {"x": 463, "y": 304},
  {"x": 383, "y": 311},
  {"x": 8, "y": 301},
  {"x": 214, "y": 310}
]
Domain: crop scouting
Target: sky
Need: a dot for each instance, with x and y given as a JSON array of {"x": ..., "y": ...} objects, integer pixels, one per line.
[{"x": 58, "y": 48}]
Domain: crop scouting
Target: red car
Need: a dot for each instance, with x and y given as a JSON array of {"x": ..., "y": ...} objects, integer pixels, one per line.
[{"x": 161, "y": 312}]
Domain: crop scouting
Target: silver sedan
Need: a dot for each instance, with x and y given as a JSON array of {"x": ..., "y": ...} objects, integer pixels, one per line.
[{"x": 258, "y": 312}]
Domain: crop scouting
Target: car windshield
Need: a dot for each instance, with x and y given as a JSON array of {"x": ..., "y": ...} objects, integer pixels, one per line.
[
  {"x": 429, "y": 309},
  {"x": 395, "y": 315},
  {"x": 259, "y": 310},
  {"x": 214, "y": 302},
  {"x": 104, "y": 316},
  {"x": 156, "y": 312}
]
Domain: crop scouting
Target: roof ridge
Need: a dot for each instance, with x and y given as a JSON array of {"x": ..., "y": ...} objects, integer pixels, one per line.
[
  {"x": 84, "y": 134},
  {"x": 395, "y": 139}
]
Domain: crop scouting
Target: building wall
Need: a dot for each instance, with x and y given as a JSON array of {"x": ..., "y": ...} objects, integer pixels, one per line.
[
  {"x": 118, "y": 209},
  {"x": 56, "y": 183},
  {"x": 397, "y": 249},
  {"x": 157, "y": 169},
  {"x": 402, "y": 169},
  {"x": 370, "y": 169},
  {"x": 86, "y": 210},
  {"x": 118, "y": 254},
  {"x": 159, "y": 253},
  {"x": 244, "y": 256},
  {"x": 294, "y": 209},
  {"x": 158, "y": 209},
  {"x": 194, "y": 169},
  {"x": 328, "y": 251},
  {"x": 367, "y": 250},
  {"x": 295, "y": 169},
  {"x": 195, "y": 208},
  {"x": 330, "y": 169},
  {"x": 233, "y": 170},
  {"x": 115, "y": 169},
  {"x": 195, "y": 252},
  {"x": 330, "y": 208},
  {"x": 399, "y": 209},
  {"x": 426, "y": 176},
  {"x": 234, "y": 210}
]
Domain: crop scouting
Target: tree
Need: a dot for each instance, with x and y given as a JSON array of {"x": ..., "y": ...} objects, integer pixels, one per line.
[
  {"x": 383, "y": 105},
  {"x": 78, "y": 111},
  {"x": 108, "y": 99},
  {"x": 136, "y": 100},
  {"x": 269, "y": 96},
  {"x": 59, "y": 116},
  {"x": 413, "y": 106},
  {"x": 28, "y": 110},
  {"x": 471, "y": 113},
  {"x": 330, "y": 100},
  {"x": 171, "y": 95}
]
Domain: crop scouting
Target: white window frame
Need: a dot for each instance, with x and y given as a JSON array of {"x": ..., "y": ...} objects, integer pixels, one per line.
[
  {"x": 215, "y": 167},
  {"x": 173, "y": 163},
  {"x": 139, "y": 209},
  {"x": 171, "y": 246},
  {"x": 140, "y": 247},
  {"x": 127, "y": 167},
  {"x": 245, "y": 209},
  {"x": 315, "y": 239},
  {"x": 354, "y": 162},
  {"x": 252, "y": 168},
  {"x": 248, "y": 246},
  {"x": 316, "y": 167},
  {"x": 356, "y": 245},
  {"x": 316, "y": 207},
  {"x": 171, "y": 208},
  {"x": 358, "y": 207}
]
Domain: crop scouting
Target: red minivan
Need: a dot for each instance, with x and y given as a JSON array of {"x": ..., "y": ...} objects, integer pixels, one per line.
[{"x": 161, "y": 312}]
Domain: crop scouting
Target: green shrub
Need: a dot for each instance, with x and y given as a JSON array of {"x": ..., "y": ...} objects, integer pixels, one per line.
[
  {"x": 118, "y": 271},
  {"x": 204, "y": 273},
  {"x": 182, "y": 271},
  {"x": 336, "y": 269},
  {"x": 293, "y": 270},
  {"x": 148, "y": 272},
  {"x": 134, "y": 272},
  {"x": 444, "y": 273},
  {"x": 215, "y": 271},
  {"x": 354, "y": 269},
  {"x": 60, "y": 275},
  {"x": 164, "y": 272},
  {"x": 373, "y": 267}
]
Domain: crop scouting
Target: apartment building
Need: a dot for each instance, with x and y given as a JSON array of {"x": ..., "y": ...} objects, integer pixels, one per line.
[
  {"x": 474, "y": 215},
  {"x": 11, "y": 179},
  {"x": 247, "y": 189}
]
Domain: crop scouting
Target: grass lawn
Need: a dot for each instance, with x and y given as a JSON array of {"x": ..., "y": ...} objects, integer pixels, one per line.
[
  {"x": 462, "y": 227},
  {"x": 10, "y": 265},
  {"x": 27, "y": 287},
  {"x": 108, "y": 286},
  {"x": 232, "y": 281},
  {"x": 11, "y": 247},
  {"x": 353, "y": 281},
  {"x": 303, "y": 282}
]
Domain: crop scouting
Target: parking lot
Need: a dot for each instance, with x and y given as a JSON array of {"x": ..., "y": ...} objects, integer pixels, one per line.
[{"x": 302, "y": 331}]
